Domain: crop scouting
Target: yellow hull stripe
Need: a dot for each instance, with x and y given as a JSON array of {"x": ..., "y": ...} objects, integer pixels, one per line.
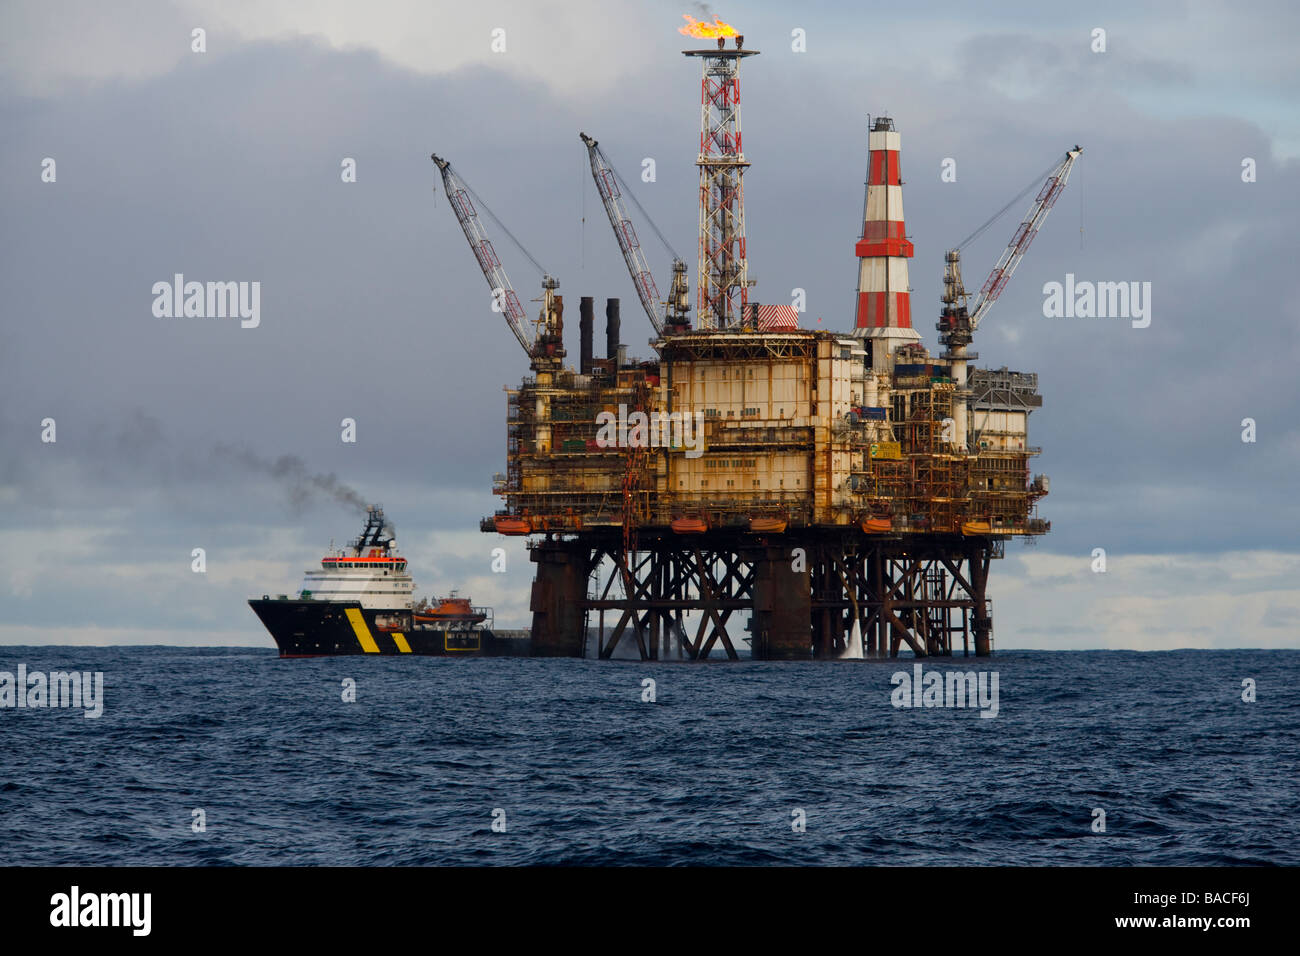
[
  {"x": 363, "y": 633},
  {"x": 400, "y": 640}
]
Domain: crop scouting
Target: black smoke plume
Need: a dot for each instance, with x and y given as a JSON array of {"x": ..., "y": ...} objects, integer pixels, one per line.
[{"x": 303, "y": 487}]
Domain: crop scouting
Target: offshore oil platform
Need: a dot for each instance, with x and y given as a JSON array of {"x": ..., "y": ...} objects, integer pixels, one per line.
[{"x": 813, "y": 494}]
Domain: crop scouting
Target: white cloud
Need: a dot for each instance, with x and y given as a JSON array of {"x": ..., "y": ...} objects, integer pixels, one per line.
[{"x": 1147, "y": 601}]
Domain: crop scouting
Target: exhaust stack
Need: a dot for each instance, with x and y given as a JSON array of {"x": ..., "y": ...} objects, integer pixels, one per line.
[
  {"x": 586, "y": 332},
  {"x": 611, "y": 331}
]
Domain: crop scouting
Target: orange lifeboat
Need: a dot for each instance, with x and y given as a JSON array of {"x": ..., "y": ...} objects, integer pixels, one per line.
[
  {"x": 767, "y": 525},
  {"x": 507, "y": 524},
  {"x": 976, "y": 527},
  {"x": 451, "y": 609},
  {"x": 690, "y": 525},
  {"x": 877, "y": 525}
]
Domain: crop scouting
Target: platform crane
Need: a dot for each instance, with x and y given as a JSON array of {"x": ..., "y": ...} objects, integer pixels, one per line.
[
  {"x": 957, "y": 324},
  {"x": 674, "y": 318},
  {"x": 544, "y": 342}
]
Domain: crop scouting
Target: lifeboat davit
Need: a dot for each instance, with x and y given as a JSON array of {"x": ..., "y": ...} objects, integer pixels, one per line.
[
  {"x": 507, "y": 524},
  {"x": 877, "y": 525},
  {"x": 690, "y": 525}
]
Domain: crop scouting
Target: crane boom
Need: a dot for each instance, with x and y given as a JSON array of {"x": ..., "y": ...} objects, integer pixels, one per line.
[
  {"x": 956, "y": 324},
  {"x": 1023, "y": 237},
  {"x": 458, "y": 194},
  {"x": 611, "y": 198}
]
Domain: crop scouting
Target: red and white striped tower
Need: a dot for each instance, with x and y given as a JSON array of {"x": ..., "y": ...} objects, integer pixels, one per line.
[{"x": 884, "y": 310}]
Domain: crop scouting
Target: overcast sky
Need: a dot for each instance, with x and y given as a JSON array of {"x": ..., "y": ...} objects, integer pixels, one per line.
[{"x": 225, "y": 165}]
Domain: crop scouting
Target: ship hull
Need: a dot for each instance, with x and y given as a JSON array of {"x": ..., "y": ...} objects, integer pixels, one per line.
[{"x": 340, "y": 628}]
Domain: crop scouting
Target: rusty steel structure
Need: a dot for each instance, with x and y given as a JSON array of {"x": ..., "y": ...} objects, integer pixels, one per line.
[
  {"x": 820, "y": 503},
  {"x": 780, "y": 492},
  {"x": 801, "y": 592}
]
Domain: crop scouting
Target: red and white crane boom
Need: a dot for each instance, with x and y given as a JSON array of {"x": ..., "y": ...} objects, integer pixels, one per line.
[
  {"x": 1023, "y": 237},
  {"x": 957, "y": 325},
  {"x": 611, "y": 198},
  {"x": 503, "y": 293},
  {"x": 673, "y": 311}
]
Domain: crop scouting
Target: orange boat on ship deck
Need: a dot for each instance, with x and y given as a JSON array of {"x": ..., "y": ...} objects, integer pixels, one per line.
[
  {"x": 452, "y": 608},
  {"x": 509, "y": 525},
  {"x": 767, "y": 525},
  {"x": 976, "y": 527},
  {"x": 690, "y": 525},
  {"x": 877, "y": 525}
]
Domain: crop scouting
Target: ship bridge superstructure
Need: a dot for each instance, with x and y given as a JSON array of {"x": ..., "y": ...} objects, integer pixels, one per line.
[{"x": 370, "y": 571}]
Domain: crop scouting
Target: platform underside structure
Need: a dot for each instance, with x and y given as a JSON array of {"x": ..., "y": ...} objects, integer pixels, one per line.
[{"x": 787, "y": 597}]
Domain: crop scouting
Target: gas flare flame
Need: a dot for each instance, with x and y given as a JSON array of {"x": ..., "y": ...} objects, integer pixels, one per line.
[{"x": 706, "y": 31}]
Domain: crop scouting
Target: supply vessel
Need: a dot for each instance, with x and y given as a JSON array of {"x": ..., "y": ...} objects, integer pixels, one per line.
[{"x": 361, "y": 601}]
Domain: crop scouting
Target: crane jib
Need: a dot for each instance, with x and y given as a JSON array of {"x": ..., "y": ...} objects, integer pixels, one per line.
[
  {"x": 461, "y": 204},
  {"x": 607, "y": 186},
  {"x": 1023, "y": 237},
  {"x": 504, "y": 298},
  {"x": 487, "y": 257}
]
